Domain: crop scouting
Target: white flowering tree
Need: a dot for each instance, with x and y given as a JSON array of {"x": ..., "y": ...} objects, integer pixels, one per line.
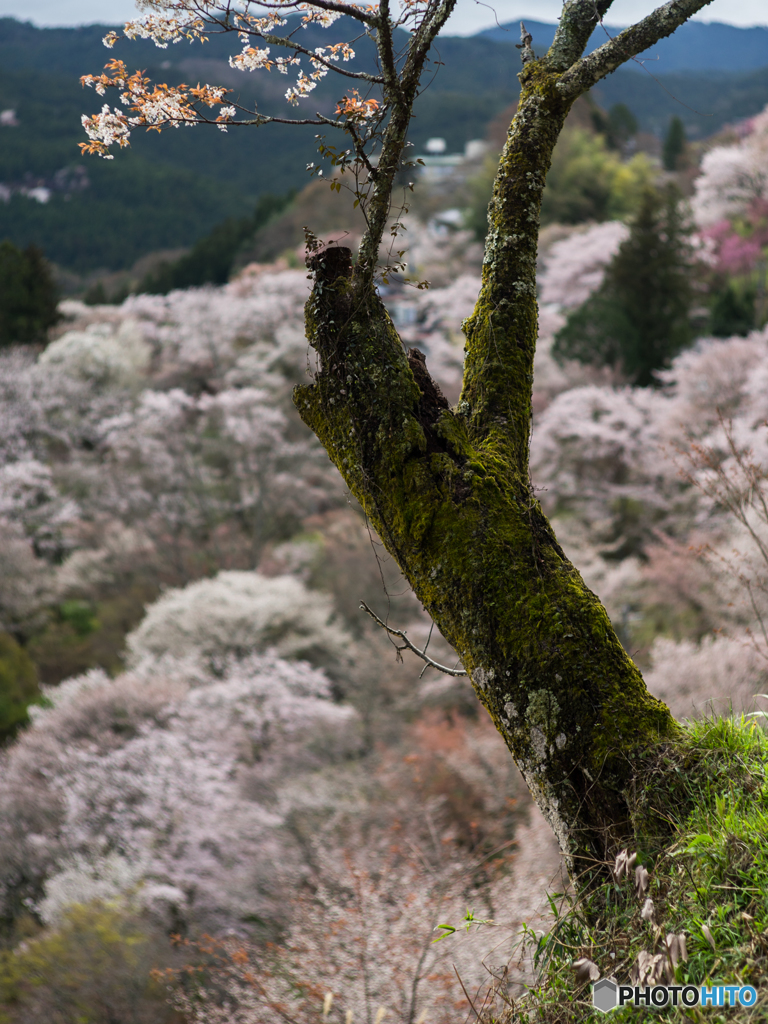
[
  {"x": 734, "y": 176},
  {"x": 170, "y": 418},
  {"x": 236, "y": 613},
  {"x": 448, "y": 490},
  {"x": 171, "y": 787}
]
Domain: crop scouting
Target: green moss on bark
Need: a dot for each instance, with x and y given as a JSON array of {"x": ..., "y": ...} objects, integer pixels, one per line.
[{"x": 448, "y": 493}]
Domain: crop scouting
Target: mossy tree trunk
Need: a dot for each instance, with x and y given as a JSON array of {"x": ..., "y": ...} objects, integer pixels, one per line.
[{"x": 448, "y": 490}]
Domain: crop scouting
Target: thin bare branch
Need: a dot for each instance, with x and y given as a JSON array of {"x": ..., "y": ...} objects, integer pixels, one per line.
[
  {"x": 469, "y": 997},
  {"x": 256, "y": 121},
  {"x": 408, "y": 646},
  {"x": 326, "y": 5},
  {"x": 627, "y": 44},
  {"x": 385, "y": 46},
  {"x": 331, "y": 65},
  {"x": 400, "y": 103}
]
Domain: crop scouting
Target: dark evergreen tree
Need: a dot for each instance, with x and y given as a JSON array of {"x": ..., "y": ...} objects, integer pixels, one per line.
[
  {"x": 674, "y": 145},
  {"x": 732, "y": 311},
  {"x": 28, "y": 295},
  {"x": 640, "y": 318},
  {"x": 621, "y": 126}
]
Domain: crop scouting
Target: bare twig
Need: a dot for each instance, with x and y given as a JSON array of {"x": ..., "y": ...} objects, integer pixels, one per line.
[
  {"x": 469, "y": 998},
  {"x": 298, "y": 48},
  {"x": 408, "y": 646},
  {"x": 525, "y": 44}
]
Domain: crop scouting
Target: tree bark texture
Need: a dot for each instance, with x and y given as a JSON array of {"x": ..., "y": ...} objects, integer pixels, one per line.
[{"x": 449, "y": 494}]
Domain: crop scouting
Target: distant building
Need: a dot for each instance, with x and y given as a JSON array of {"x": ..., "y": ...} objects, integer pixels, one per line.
[{"x": 437, "y": 165}]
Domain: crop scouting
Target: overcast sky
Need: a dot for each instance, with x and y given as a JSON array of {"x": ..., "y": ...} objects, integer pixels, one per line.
[{"x": 470, "y": 15}]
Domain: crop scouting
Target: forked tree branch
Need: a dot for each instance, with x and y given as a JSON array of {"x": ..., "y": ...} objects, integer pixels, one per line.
[
  {"x": 408, "y": 646},
  {"x": 574, "y": 29},
  {"x": 627, "y": 44}
]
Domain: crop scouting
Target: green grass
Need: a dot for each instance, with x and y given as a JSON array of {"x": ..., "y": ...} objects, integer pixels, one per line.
[{"x": 702, "y": 827}]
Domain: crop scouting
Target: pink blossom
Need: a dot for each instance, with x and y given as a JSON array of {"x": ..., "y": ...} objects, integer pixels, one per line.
[
  {"x": 575, "y": 266},
  {"x": 732, "y": 177}
]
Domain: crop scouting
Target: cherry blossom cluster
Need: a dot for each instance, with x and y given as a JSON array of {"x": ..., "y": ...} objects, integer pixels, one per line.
[
  {"x": 112, "y": 412},
  {"x": 109, "y": 128},
  {"x": 252, "y": 58},
  {"x": 644, "y": 484},
  {"x": 575, "y": 266},
  {"x": 241, "y": 611},
  {"x": 166, "y": 21},
  {"x": 161, "y": 107},
  {"x": 731, "y": 204},
  {"x": 171, "y": 21}
]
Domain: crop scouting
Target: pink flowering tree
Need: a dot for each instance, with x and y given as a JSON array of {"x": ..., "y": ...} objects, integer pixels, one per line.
[
  {"x": 733, "y": 177},
  {"x": 731, "y": 205},
  {"x": 447, "y": 489}
]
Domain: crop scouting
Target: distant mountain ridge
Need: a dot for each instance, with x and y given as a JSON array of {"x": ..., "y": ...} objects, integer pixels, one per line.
[
  {"x": 169, "y": 190},
  {"x": 695, "y": 46}
]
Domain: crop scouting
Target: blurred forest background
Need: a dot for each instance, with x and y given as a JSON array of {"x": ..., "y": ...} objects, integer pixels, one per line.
[{"x": 223, "y": 795}]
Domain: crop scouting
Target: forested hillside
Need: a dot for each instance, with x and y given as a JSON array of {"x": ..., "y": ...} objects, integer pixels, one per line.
[{"x": 171, "y": 189}]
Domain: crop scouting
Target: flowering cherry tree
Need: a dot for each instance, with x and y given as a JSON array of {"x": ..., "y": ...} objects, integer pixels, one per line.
[
  {"x": 733, "y": 177},
  {"x": 448, "y": 490},
  {"x": 170, "y": 785}
]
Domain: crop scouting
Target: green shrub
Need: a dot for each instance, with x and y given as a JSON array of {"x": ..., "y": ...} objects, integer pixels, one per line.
[
  {"x": 81, "y": 635},
  {"x": 94, "y": 968},
  {"x": 702, "y": 836},
  {"x": 18, "y": 686},
  {"x": 732, "y": 311},
  {"x": 589, "y": 181}
]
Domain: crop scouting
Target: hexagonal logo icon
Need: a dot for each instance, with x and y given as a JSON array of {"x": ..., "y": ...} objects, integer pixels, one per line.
[{"x": 605, "y": 995}]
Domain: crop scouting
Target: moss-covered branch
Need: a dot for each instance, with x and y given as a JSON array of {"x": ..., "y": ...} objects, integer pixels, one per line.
[
  {"x": 501, "y": 333},
  {"x": 574, "y": 29},
  {"x": 448, "y": 490}
]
